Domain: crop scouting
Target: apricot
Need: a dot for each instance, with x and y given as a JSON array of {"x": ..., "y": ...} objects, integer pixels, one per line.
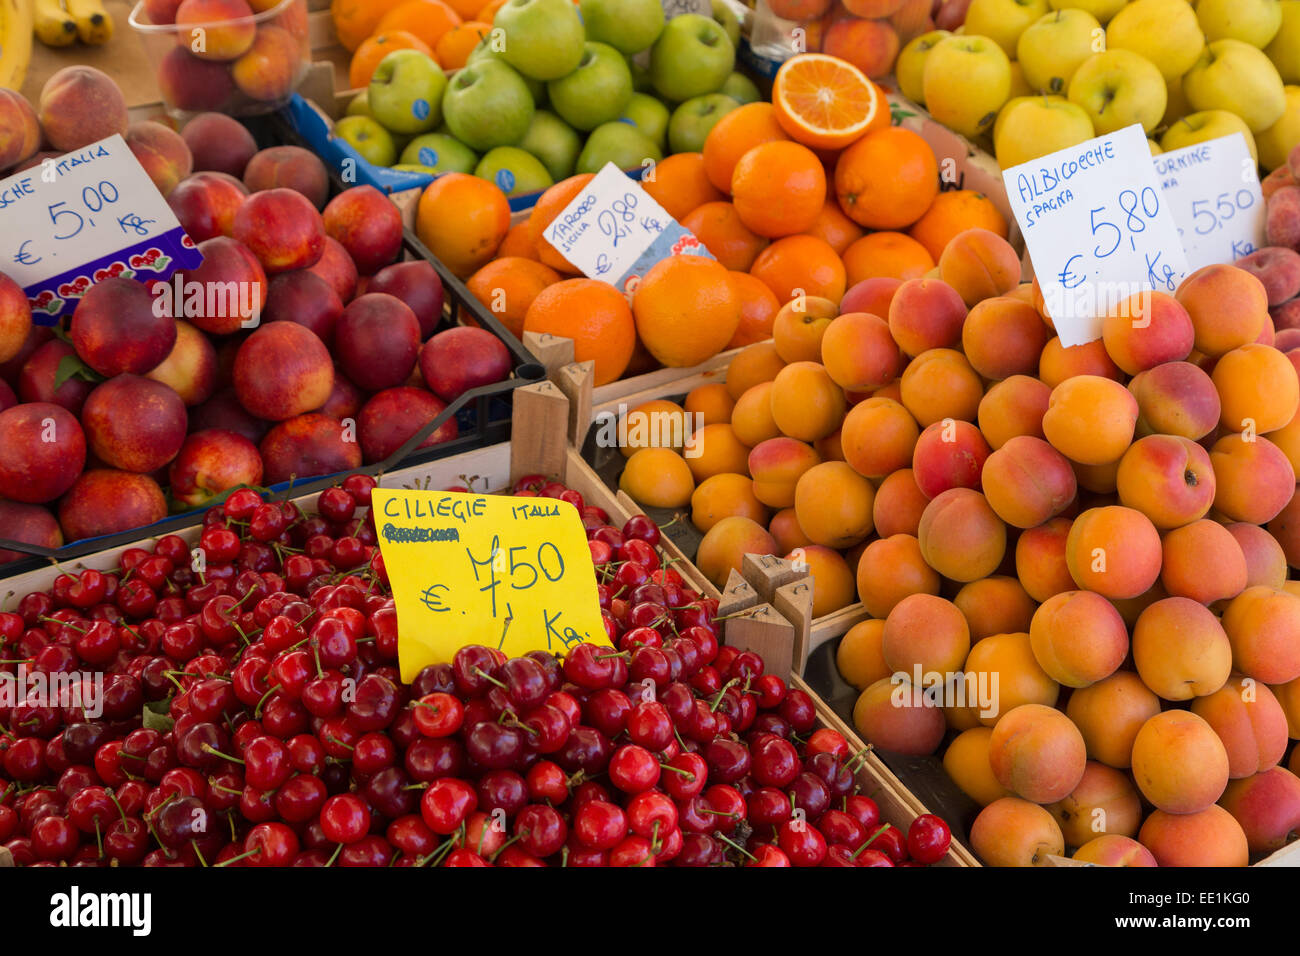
[
  {"x": 1011, "y": 407},
  {"x": 1003, "y": 336},
  {"x": 859, "y": 353},
  {"x": 1005, "y": 670},
  {"x": 1111, "y": 849},
  {"x": 1179, "y": 763},
  {"x": 1265, "y": 560},
  {"x": 926, "y": 633},
  {"x": 715, "y": 450},
  {"x": 926, "y": 314},
  {"x": 1041, "y": 565},
  {"x": 1177, "y": 398},
  {"x": 1105, "y": 801},
  {"x": 751, "y": 418},
  {"x": 1208, "y": 838},
  {"x": 1288, "y": 697},
  {"x": 776, "y": 466},
  {"x": 859, "y": 657},
  {"x": 1180, "y": 649},
  {"x": 725, "y": 545},
  {"x": 798, "y": 328},
  {"x": 1253, "y": 479},
  {"x": 1168, "y": 478},
  {"x": 722, "y": 496},
  {"x": 833, "y": 504},
  {"x": 753, "y": 364},
  {"x": 878, "y": 437},
  {"x": 806, "y": 402},
  {"x": 899, "y": 504},
  {"x": 1058, "y": 363},
  {"x": 657, "y": 478},
  {"x": 713, "y": 403},
  {"x": 1027, "y": 481},
  {"x": 1257, "y": 387},
  {"x": 1267, "y": 805},
  {"x": 1263, "y": 627},
  {"x": 1110, "y": 713},
  {"x": 1285, "y": 529},
  {"x": 979, "y": 264},
  {"x": 966, "y": 761},
  {"x": 949, "y": 454},
  {"x": 1015, "y": 832},
  {"x": 784, "y": 527},
  {"x": 1227, "y": 306},
  {"x": 834, "y": 586},
  {"x": 995, "y": 605},
  {"x": 1145, "y": 330},
  {"x": 1098, "y": 479},
  {"x": 657, "y": 423},
  {"x": 1114, "y": 551},
  {"x": 1090, "y": 419},
  {"x": 1078, "y": 638},
  {"x": 889, "y": 570},
  {"x": 1204, "y": 562},
  {"x": 960, "y": 535},
  {"x": 893, "y": 715},
  {"x": 940, "y": 384},
  {"x": 1287, "y": 438},
  {"x": 1249, "y": 720},
  {"x": 1037, "y": 752}
]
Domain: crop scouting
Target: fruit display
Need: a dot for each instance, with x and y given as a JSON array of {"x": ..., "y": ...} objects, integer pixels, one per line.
[
  {"x": 866, "y": 33},
  {"x": 1278, "y": 264}
]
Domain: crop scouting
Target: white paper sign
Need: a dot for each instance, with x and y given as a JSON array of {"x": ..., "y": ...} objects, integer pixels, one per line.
[
  {"x": 1097, "y": 227},
  {"x": 1213, "y": 191}
]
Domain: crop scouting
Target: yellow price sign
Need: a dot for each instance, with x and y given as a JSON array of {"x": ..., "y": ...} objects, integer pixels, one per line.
[{"x": 511, "y": 573}]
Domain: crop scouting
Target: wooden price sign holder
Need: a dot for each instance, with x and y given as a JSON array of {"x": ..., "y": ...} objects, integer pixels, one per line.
[
  {"x": 767, "y": 609},
  {"x": 574, "y": 379}
]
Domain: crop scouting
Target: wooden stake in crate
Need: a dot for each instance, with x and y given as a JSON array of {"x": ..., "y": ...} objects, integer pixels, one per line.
[
  {"x": 539, "y": 431},
  {"x": 737, "y": 596},
  {"x": 551, "y": 350},
  {"x": 575, "y": 381},
  {"x": 764, "y": 631},
  {"x": 795, "y": 602}
]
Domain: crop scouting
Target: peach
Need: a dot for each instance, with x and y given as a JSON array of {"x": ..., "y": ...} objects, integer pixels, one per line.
[
  {"x": 1176, "y": 398},
  {"x": 960, "y": 535},
  {"x": 806, "y": 402},
  {"x": 1146, "y": 330},
  {"x": 858, "y": 656},
  {"x": 898, "y": 505},
  {"x": 1204, "y": 562},
  {"x": 859, "y": 352},
  {"x": 1208, "y": 838},
  {"x": 282, "y": 228},
  {"x": 995, "y": 605},
  {"x": 415, "y": 282},
  {"x": 307, "y": 445},
  {"x": 926, "y": 633},
  {"x": 219, "y": 143},
  {"x": 1258, "y": 388},
  {"x": 1282, "y": 222},
  {"x": 1027, "y": 481},
  {"x": 1276, "y": 269},
  {"x": 191, "y": 368},
  {"x": 1015, "y": 832},
  {"x": 715, "y": 449},
  {"x": 870, "y": 45},
  {"x": 42, "y": 451},
  {"x": 753, "y": 365},
  {"x": 305, "y": 298},
  {"x": 115, "y": 328},
  {"x": 194, "y": 85},
  {"x": 1014, "y": 406},
  {"x": 1179, "y": 763},
  {"x": 289, "y": 167},
  {"x": 234, "y": 286},
  {"x": 890, "y": 570},
  {"x": 15, "y": 319},
  {"x": 939, "y": 384},
  {"x": 1249, "y": 720},
  {"x": 1114, "y": 551},
  {"x": 834, "y": 504},
  {"x": 722, "y": 496},
  {"x": 1078, "y": 638},
  {"x": 1003, "y": 336},
  {"x": 80, "y": 105},
  {"x": 1263, "y": 627},
  {"x": 211, "y": 462},
  {"x": 1285, "y": 529},
  {"x": 1167, "y": 478},
  {"x": 1105, "y": 801},
  {"x": 833, "y": 582},
  {"x": 377, "y": 340},
  {"x": 28, "y": 524},
  {"x": 879, "y": 437},
  {"x": 162, "y": 152},
  {"x": 217, "y": 30},
  {"x": 283, "y": 370},
  {"x": 966, "y": 761},
  {"x": 949, "y": 454},
  {"x": 20, "y": 130},
  {"x": 1037, "y": 752},
  {"x": 134, "y": 423},
  {"x": 367, "y": 224},
  {"x": 1005, "y": 666},
  {"x": 1180, "y": 649},
  {"x": 105, "y": 501},
  {"x": 872, "y": 295},
  {"x": 784, "y": 527},
  {"x": 1058, "y": 363},
  {"x": 895, "y": 716},
  {"x": 206, "y": 203},
  {"x": 345, "y": 399},
  {"x": 799, "y": 327},
  {"x": 1041, "y": 564},
  {"x": 776, "y": 465},
  {"x": 926, "y": 314},
  {"x": 1267, "y": 805},
  {"x": 1110, "y": 713},
  {"x": 751, "y": 419},
  {"x": 337, "y": 268},
  {"x": 1090, "y": 419},
  {"x": 390, "y": 418},
  {"x": 1111, "y": 849},
  {"x": 979, "y": 264},
  {"x": 1265, "y": 560},
  {"x": 1254, "y": 480},
  {"x": 725, "y": 544},
  {"x": 1282, "y": 176},
  {"x": 269, "y": 69}
]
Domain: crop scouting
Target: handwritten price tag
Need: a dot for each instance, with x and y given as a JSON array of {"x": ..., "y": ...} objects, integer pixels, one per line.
[
  {"x": 615, "y": 231},
  {"x": 82, "y": 217},
  {"x": 512, "y": 573},
  {"x": 1097, "y": 227},
  {"x": 1213, "y": 191}
]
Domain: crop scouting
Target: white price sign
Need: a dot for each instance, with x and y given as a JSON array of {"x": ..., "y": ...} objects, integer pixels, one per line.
[
  {"x": 1213, "y": 191},
  {"x": 84, "y": 216},
  {"x": 1098, "y": 229}
]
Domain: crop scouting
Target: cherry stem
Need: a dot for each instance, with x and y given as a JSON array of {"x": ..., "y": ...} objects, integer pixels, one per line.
[
  {"x": 887, "y": 826},
  {"x": 338, "y": 848},
  {"x": 489, "y": 678},
  {"x": 315, "y": 652},
  {"x": 719, "y": 813},
  {"x": 99, "y": 839},
  {"x": 67, "y": 624},
  {"x": 335, "y": 740},
  {"x": 240, "y": 856},
  {"x": 257, "y": 711},
  {"x": 717, "y": 700},
  {"x": 199, "y": 853},
  {"x": 501, "y": 848},
  {"x": 688, "y": 774},
  {"x": 509, "y": 719},
  {"x": 735, "y": 846},
  {"x": 112, "y": 796},
  {"x": 855, "y": 758},
  {"x": 605, "y": 657},
  {"x": 208, "y": 748},
  {"x": 224, "y": 789}
]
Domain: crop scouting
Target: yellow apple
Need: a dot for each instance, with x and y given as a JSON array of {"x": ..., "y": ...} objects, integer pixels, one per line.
[
  {"x": 1284, "y": 51},
  {"x": 1019, "y": 85},
  {"x": 1054, "y": 46},
  {"x": 910, "y": 66},
  {"x": 1235, "y": 76},
  {"x": 966, "y": 80},
  {"x": 1006, "y": 111},
  {"x": 1206, "y": 125},
  {"x": 1038, "y": 125},
  {"x": 1103, "y": 10},
  {"x": 1276, "y": 142},
  {"x": 1154, "y": 147},
  {"x": 1166, "y": 32},
  {"x": 1002, "y": 21},
  {"x": 1119, "y": 88},
  {"x": 1251, "y": 21},
  {"x": 1175, "y": 101}
]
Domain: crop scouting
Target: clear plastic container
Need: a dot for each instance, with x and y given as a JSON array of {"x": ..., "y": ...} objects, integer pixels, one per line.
[{"x": 241, "y": 65}]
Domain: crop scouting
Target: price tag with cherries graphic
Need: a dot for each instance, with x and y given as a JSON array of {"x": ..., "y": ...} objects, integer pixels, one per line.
[{"x": 85, "y": 216}]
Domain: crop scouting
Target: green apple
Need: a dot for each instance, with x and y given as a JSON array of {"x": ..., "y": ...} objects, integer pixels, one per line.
[
  {"x": 966, "y": 80},
  {"x": 1276, "y": 143},
  {"x": 440, "y": 153},
  {"x": 406, "y": 92},
  {"x": 1054, "y": 46},
  {"x": 1119, "y": 88},
  {"x": 619, "y": 143},
  {"x": 369, "y": 138},
  {"x": 1235, "y": 76},
  {"x": 910, "y": 65},
  {"x": 726, "y": 16},
  {"x": 541, "y": 38},
  {"x": 693, "y": 56},
  {"x": 691, "y": 121},
  {"x": 1002, "y": 21},
  {"x": 1166, "y": 32},
  {"x": 741, "y": 89},
  {"x": 596, "y": 91},
  {"x": 1034, "y": 126},
  {"x": 515, "y": 172},
  {"x": 649, "y": 116},
  {"x": 1251, "y": 21},
  {"x": 360, "y": 105},
  {"x": 487, "y": 104},
  {"x": 484, "y": 51},
  {"x": 629, "y": 26},
  {"x": 1209, "y": 124},
  {"x": 1103, "y": 10},
  {"x": 1284, "y": 51},
  {"x": 554, "y": 142},
  {"x": 639, "y": 65}
]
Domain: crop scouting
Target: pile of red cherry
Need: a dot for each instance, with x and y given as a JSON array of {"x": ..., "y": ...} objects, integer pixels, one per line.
[{"x": 252, "y": 715}]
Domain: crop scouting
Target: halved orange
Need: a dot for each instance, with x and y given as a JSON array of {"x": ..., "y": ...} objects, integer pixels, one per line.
[{"x": 826, "y": 103}]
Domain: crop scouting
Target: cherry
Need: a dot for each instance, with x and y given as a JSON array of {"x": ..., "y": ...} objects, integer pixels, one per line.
[
  {"x": 549, "y": 728},
  {"x": 651, "y": 814},
  {"x": 775, "y": 762},
  {"x": 873, "y": 857},
  {"x": 864, "y": 810},
  {"x": 700, "y": 849},
  {"x": 411, "y": 835},
  {"x": 300, "y": 798},
  {"x": 803, "y": 844},
  {"x": 587, "y": 749},
  {"x": 493, "y": 745},
  {"x": 837, "y": 777},
  {"x": 541, "y": 830},
  {"x": 810, "y": 794},
  {"x": 126, "y": 840},
  {"x": 502, "y": 790},
  {"x": 768, "y": 807},
  {"x": 890, "y": 841},
  {"x": 728, "y": 760},
  {"x": 599, "y": 824},
  {"x": 607, "y": 710},
  {"x": 685, "y": 776},
  {"x": 641, "y": 528},
  {"x": 840, "y": 828},
  {"x": 526, "y": 682},
  {"x": 446, "y": 804},
  {"x": 267, "y": 763},
  {"x": 928, "y": 838},
  {"x": 547, "y": 781},
  {"x": 54, "y": 838},
  {"x": 633, "y": 769},
  {"x": 345, "y": 818},
  {"x": 270, "y": 844}
]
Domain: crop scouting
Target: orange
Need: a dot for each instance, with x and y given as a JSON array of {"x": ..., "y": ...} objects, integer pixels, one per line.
[
  {"x": 758, "y": 309},
  {"x": 835, "y": 227},
  {"x": 826, "y": 102},
  {"x": 592, "y": 313},
  {"x": 519, "y": 242},
  {"x": 354, "y": 20},
  {"x": 462, "y": 219},
  {"x": 426, "y": 19},
  {"x": 730, "y": 241},
  {"x": 507, "y": 287},
  {"x": 779, "y": 188},
  {"x": 686, "y": 310},
  {"x": 466, "y": 9},
  {"x": 891, "y": 254},
  {"x": 801, "y": 265},
  {"x": 887, "y": 179},
  {"x": 954, "y": 212},
  {"x": 375, "y": 48},
  {"x": 549, "y": 205},
  {"x": 455, "y": 46},
  {"x": 487, "y": 13},
  {"x": 679, "y": 184},
  {"x": 735, "y": 135}
]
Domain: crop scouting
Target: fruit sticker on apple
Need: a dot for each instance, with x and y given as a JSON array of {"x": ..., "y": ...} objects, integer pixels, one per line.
[
  {"x": 1099, "y": 230},
  {"x": 512, "y": 573}
]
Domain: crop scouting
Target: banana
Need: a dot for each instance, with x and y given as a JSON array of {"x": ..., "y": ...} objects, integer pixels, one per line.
[
  {"x": 94, "y": 23},
  {"x": 53, "y": 26},
  {"x": 15, "y": 42}
]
